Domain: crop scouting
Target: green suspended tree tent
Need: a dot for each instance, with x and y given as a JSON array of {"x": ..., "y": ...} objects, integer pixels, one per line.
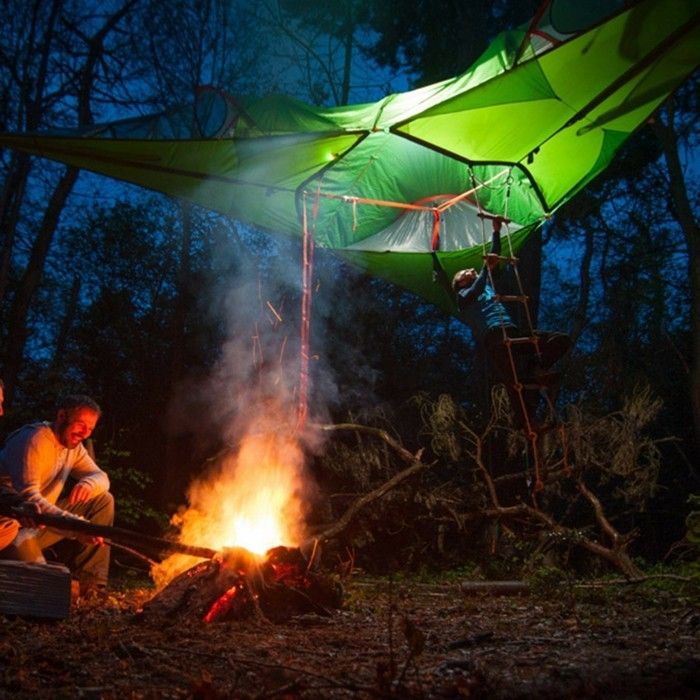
[{"x": 402, "y": 187}]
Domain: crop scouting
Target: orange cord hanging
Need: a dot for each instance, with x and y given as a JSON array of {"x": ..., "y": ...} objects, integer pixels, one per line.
[{"x": 306, "y": 274}]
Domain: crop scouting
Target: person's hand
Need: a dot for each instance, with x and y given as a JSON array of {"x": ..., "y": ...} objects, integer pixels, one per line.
[
  {"x": 80, "y": 494},
  {"x": 491, "y": 260},
  {"x": 26, "y": 513},
  {"x": 90, "y": 539},
  {"x": 84, "y": 538}
]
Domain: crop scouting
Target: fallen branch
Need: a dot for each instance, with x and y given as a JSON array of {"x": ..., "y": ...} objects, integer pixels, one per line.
[
  {"x": 635, "y": 580},
  {"x": 414, "y": 460},
  {"x": 134, "y": 553}
]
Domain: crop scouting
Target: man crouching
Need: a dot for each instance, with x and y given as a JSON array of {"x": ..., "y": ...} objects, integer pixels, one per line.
[{"x": 36, "y": 462}]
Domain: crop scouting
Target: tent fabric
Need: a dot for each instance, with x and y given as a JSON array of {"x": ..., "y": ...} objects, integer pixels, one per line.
[{"x": 539, "y": 115}]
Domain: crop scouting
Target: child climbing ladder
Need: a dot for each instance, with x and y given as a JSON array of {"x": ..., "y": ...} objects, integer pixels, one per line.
[{"x": 520, "y": 359}]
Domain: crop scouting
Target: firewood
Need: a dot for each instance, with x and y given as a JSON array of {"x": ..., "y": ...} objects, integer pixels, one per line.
[{"x": 238, "y": 584}]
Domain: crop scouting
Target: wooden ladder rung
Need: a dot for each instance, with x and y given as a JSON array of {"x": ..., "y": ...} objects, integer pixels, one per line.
[
  {"x": 506, "y": 258},
  {"x": 522, "y": 341}
]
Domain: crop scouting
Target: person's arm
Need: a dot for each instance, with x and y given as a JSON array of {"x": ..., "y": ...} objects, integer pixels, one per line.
[
  {"x": 496, "y": 242},
  {"x": 90, "y": 479},
  {"x": 491, "y": 259},
  {"x": 12, "y": 505},
  {"x": 468, "y": 295},
  {"x": 29, "y": 460}
]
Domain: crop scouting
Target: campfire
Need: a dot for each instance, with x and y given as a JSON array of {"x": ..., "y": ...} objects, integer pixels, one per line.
[
  {"x": 239, "y": 584},
  {"x": 251, "y": 513}
]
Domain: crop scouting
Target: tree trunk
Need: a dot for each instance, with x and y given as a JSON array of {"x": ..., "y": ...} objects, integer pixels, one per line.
[
  {"x": 66, "y": 325},
  {"x": 17, "y": 325},
  {"x": 17, "y": 322},
  {"x": 668, "y": 137},
  {"x": 10, "y": 204},
  {"x": 28, "y": 117},
  {"x": 530, "y": 271},
  {"x": 181, "y": 301}
]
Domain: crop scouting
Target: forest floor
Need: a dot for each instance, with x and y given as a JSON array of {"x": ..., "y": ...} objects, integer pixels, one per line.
[{"x": 390, "y": 639}]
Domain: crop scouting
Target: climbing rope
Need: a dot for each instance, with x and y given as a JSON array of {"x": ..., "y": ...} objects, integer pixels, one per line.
[{"x": 437, "y": 210}]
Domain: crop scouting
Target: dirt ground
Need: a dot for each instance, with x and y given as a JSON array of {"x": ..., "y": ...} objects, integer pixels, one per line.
[{"x": 389, "y": 640}]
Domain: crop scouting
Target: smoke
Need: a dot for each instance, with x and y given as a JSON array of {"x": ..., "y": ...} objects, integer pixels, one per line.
[{"x": 243, "y": 411}]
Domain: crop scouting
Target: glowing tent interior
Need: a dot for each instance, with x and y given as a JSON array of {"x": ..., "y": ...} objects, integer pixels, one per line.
[{"x": 397, "y": 186}]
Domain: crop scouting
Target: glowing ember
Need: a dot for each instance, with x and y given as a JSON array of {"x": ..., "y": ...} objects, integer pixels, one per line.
[
  {"x": 253, "y": 501},
  {"x": 224, "y": 604},
  {"x": 277, "y": 587}
]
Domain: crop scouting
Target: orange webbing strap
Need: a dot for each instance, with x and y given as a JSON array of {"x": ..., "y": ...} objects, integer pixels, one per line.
[
  {"x": 532, "y": 27},
  {"x": 351, "y": 199},
  {"x": 435, "y": 236},
  {"x": 354, "y": 200}
]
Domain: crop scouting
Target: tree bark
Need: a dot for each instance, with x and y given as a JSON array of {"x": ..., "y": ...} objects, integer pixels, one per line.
[
  {"x": 17, "y": 326},
  {"x": 66, "y": 325},
  {"x": 29, "y": 116},
  {"x": 668, "y": 136},
  {"x": 530, "y": 271}
]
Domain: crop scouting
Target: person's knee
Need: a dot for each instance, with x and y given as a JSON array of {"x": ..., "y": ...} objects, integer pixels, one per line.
[
  {"x": 105, "y": 500},
  {"x": 103, "y": 508},
  {"x": 98, "y": 510},
  {"x": 8, "y": 531}
]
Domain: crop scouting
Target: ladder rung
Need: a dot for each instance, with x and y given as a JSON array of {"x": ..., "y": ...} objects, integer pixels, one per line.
[
  {"x": 522, "y": 298},
  {"x": 506, "y": 258},
  {"x": 522, "y": 341}
]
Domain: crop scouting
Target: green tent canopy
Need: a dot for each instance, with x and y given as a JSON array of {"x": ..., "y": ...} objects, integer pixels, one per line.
[{"x": 406, "y": 185}]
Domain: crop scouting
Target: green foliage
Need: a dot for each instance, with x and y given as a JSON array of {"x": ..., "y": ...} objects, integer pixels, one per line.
[
  {"x": 546, "y": 580},
  {"x": 410, "y": 36},
  {"x": 128, "y": 485},
  {"x": 619, "y": 447}
]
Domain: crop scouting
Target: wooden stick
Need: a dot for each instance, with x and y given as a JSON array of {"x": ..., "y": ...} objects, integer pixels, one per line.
[{"x": 117, "y": 534}]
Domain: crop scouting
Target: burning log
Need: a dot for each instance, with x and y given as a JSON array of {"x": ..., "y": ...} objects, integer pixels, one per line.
[{"x": 238, "y": 584}]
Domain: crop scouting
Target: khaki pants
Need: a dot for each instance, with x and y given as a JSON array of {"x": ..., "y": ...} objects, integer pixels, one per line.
[
  {"x": 89, "y": 562},
  {"x": 8, "y": 531}
]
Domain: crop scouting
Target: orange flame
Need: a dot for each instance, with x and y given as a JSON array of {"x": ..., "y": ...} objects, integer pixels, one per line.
[{"x": 254, "y": 501}]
